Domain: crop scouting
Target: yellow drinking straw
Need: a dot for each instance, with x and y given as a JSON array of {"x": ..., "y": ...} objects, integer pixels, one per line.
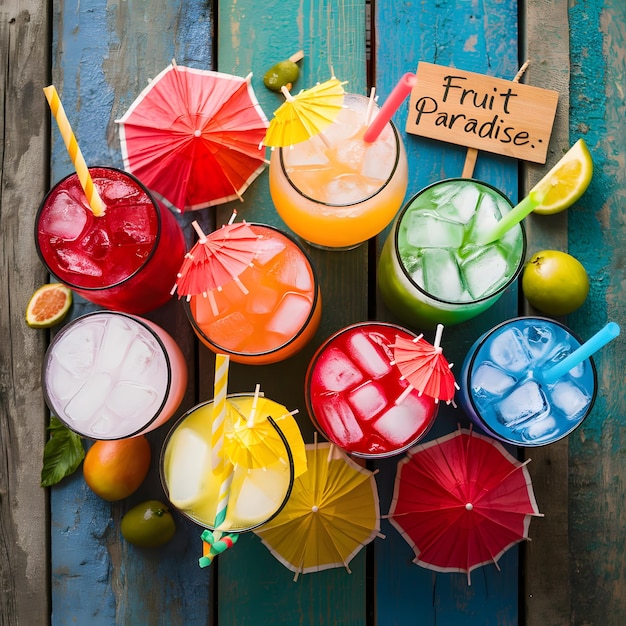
[{"x": 94, "y": 199}]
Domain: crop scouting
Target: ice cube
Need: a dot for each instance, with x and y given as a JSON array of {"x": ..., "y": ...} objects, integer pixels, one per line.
[
  {"x": 399, "y": 425},
  {"x": 371, "y": 353},
  {"x": 103, "y": 425},
  {"x": 336, "y": 372},
  {"x": 539, "y": 430},
  {"x": 569, "y": 398},
  {"x": 344, "y": 189},
  {"x": 65, "y": 218},
  {"x": 428, "y": 230},
  {"x": 460, "y": 202},
  {"x": 264, "y": 300},
  {"x": 257, "y": 498},
  {"x": 339, "y": 421},
  {"x": 89, "y": 399},
  {"x": 508, "y": 350},
  {"x": 76, "y": 348},
  {"x": 490, "y": 380},
  {"x": 143, "y": 361},
  {"x": 290, "y": 270},
  {"x": 118, "y": 336},
  {"x": 442, "y": 278},
  {"x": 378, "y": 159},
  {"x": 61, "y": 383},
  {"x": 290, "y": 315},
  {"x": 131, "y": 225},
  {"x": 305, "y": 154},
  {"x": 367, "y": 400},
  {"x": 130, "y": 400},
  {"x": 230, "y": 331},
  {"x": 485, "y": 271},
  {"x": 267, "y": 249},
  {"x": 96, "y": 244},
  {"x": 485, "y": 218},
  {"x": 526, "y": 402},
  {"x": 77, "y": 262},
  {"x": 114, "y": 190},
  {"x": 540, "y": 340},
  {"x": 189, "y": 461}
]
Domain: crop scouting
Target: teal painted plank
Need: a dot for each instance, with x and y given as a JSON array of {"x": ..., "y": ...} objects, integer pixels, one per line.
[
  {"x": 480, "y": 38},
  {"x": 597, "y": 232},
  {"x": 254, "y": 588},
  {"x": 103, "y": 57}
]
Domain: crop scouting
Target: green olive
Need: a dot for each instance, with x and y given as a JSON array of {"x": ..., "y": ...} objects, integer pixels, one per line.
[
  {"x": 148, "y": 525},
  {"x": 281, "y": 74}
]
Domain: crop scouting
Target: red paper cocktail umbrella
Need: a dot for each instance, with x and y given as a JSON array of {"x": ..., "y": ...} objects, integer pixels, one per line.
[
  {"x": 461, "y": 501},
  {"x": 193, "y": 137},
  {"x": 424, "y": 367},
  {"x": 217, "y": 259}
]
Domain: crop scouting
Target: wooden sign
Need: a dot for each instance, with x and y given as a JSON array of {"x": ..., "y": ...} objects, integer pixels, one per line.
[{"x": 482, "y": 112}]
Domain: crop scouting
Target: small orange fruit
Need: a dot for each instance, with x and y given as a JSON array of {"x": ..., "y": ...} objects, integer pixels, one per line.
[
  {"x": 48, "y": 305},
  {"x": 115, "y": 469}
]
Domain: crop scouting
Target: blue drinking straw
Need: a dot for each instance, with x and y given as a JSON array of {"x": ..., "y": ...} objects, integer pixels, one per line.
[{"x": 601, "y": 338}]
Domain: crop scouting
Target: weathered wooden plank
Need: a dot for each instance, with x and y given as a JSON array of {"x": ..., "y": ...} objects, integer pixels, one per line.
[
  {"x": 546, "y": 558},
  {"x": 481, "y": 39},
  {"x": 597, "y": 232},
  {"x": 24, "y": 586},
  {"x": 102, "y": 58},
  {"x": 254, "y": 588}
]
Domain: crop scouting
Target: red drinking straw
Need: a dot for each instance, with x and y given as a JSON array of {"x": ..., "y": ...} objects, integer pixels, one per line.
[{"x": 392, "y": 104}]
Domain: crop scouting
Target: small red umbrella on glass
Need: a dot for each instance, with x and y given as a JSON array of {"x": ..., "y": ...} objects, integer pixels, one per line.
[
  {"x": 425, "y": 368},
  {"x": 461, "y": 501},
  {"x": 192, "y": 137},
  {"x": 217, "y": 259}
]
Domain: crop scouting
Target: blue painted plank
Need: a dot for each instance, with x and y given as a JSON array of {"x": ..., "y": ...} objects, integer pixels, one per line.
[
  {"x": 103, "y": 56},
  {"x": 481, "y": 38},
  {"x": 597, "y": 232}
]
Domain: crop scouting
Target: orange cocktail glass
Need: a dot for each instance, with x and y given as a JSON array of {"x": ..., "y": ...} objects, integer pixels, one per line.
[{"x": 274, "y": 316}]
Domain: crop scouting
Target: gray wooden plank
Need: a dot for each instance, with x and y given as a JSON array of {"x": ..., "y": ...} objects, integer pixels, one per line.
[{"x": 25, "y": 52}]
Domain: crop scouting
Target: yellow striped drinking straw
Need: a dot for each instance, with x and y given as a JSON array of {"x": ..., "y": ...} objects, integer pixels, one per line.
[
  {"x": 76, "y": 156},
  {"x": 221, "y": 466}
]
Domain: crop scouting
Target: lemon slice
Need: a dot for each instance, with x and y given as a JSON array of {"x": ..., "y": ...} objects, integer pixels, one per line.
[
  {"x": 566, "y": 182},
  {"x": 48, "y": 305}
]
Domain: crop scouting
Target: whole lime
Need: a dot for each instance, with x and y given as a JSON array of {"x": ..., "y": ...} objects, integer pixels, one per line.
[
  {"x": 554, "y": 282},
  {"x": 148, "y": 524}
]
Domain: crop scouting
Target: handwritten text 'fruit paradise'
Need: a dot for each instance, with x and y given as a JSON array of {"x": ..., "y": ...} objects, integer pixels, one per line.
[{"x": 482, "y": 112}]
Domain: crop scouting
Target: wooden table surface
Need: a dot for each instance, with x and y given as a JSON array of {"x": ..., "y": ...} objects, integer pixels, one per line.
[{"x": 62, "y": 559}]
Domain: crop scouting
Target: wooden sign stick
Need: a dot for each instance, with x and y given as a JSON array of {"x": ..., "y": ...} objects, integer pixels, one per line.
[{"x": 472, "y": 153}]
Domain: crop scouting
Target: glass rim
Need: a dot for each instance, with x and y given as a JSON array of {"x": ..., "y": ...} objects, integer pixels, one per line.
[
  {"x": 470, "y": 369},
  {"x": 281, "y": 434},
  {"x": 168, "y": 365},
  {"x": 421, "y": 289},
  {"x": 385, "y": 184},
  {"x": 314, "y": 305},
  {"x": 144, "y": 263},
  {"x": 307, "y": 395}
]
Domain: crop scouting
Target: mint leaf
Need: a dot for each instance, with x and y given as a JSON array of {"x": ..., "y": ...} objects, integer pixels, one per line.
[{"x": 62, "y": 454}]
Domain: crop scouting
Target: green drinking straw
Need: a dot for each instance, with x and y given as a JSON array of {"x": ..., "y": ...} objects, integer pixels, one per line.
[
  {"x": 600, "y": 339},
  {"x": 513, "y": 217}
]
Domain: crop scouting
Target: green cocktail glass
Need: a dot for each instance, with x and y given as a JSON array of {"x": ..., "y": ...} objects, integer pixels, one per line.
[{"x": 432, "y": 270}]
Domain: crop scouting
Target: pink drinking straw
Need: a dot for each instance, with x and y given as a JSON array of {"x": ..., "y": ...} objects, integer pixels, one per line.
[{"x": 392, "y": 104}]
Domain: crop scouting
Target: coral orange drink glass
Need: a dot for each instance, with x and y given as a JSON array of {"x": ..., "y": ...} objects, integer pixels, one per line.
[
  {"x": 109, "y": 375},
  {"x": 277, "y": 316},
  {"x": 352, "y": 388},
  {"x": 337, "y": 191},
  {"x": 125, "y": 260}
]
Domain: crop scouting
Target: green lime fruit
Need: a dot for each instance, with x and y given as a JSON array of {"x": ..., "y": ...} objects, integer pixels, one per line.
[
  {"x": 148, "y": 525},
  {"x": 280, "y": 75},
  {"x": 555, "y": 282}
]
